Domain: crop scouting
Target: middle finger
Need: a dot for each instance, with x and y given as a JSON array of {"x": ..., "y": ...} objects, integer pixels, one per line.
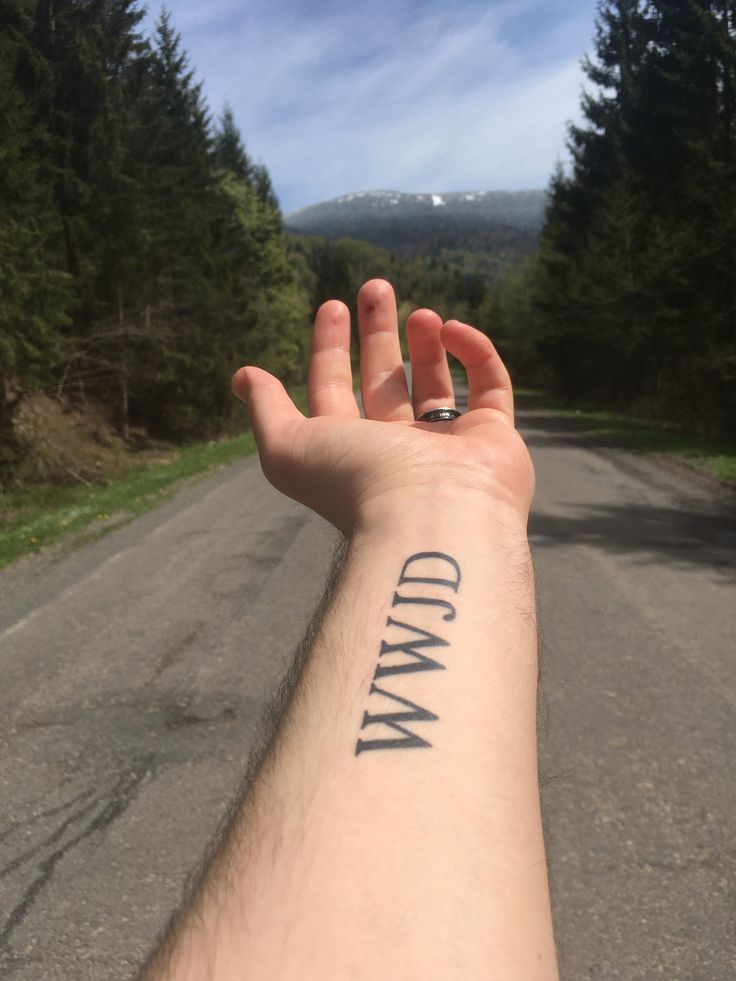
[{"x": 382, "y": 376}]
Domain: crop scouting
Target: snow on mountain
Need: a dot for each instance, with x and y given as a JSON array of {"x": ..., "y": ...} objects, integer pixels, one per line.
[{"x": 427, "y": 223}]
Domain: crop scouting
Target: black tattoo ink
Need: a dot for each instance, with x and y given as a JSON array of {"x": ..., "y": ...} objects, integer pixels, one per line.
[
  {"x": 453, "y": 584},
  {"x": 429, "y": 602},
  {"x": 393, "y": 719},
  {"x": 421, "y": 663},
  {"x": 412, "y": 648}
]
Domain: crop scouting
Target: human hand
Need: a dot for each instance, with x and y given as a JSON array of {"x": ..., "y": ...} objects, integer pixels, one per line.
[{"x": 350, "y": 469}]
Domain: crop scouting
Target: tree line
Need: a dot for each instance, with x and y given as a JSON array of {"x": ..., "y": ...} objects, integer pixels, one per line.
[
  {"x": 453, "y": 283},
  {"x": 142, "y": 255},
  {"x": 631, "y": 298}
]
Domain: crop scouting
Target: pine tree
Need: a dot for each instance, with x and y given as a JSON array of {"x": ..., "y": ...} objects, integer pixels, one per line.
[
  {"x": 638, "y": 246},
  {"x": 686, "y": 161},
  {"x": 119, "y": 333},
  {"x": 595, "y": 212},
  {"x": 264, "y": 188},
  {"x": 34, "y": 293},
  {"x": 228, "y": 152},
  {"x": 236, "y": 293},
  {"x": 600, "y": 149}
]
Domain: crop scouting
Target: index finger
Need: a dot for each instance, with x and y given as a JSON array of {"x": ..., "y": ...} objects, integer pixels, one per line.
[{"x": 330, "y": 384}]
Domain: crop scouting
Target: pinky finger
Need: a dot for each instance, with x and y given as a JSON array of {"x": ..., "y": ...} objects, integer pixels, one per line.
[{"x": 489, "y": 382}]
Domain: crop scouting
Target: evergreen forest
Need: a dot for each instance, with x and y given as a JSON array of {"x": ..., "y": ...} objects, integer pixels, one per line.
[
  {"x": 630, "y": 300},
  {"x": 143, "y": 255}
]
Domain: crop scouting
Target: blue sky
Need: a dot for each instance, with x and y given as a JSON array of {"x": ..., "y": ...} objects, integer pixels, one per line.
[{"x": 404, "y": 95}]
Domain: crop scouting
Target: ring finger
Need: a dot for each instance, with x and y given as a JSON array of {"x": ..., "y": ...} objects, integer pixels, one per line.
[{"x": 431, "y": 381}]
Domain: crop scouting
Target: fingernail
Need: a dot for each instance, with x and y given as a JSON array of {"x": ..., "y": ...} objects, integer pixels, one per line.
[{"x": 239, "y": 390}]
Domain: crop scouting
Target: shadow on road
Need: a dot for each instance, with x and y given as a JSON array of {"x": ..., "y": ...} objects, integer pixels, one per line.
[
  {"x": 546, "y": 429},
  {"x": 554, "y": 430},
  {"x": 676, "y": 528},
  {"x": 657, "y": 535}
]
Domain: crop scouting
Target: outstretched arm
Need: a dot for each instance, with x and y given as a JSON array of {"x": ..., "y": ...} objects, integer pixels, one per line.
[{"x": 393, "y": 828}]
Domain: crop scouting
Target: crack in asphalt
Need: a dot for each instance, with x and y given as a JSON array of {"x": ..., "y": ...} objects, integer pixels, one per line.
[
  {"x": 57, "y": 809},
  {"x": 122, "y": 795},
  {"x": 51, "y": 840}
]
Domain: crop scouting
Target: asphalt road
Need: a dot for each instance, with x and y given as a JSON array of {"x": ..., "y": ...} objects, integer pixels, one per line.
[{"x": 133, "y": 672}]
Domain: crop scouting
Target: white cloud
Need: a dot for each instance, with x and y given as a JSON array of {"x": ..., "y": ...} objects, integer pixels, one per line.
[{"x": 414, "y": 97}]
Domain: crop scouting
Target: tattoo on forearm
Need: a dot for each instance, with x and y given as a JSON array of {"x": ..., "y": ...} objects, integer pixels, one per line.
[{"x": 402, "y": 653}]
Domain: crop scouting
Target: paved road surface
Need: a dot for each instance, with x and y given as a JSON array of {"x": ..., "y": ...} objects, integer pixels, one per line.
[{"x": 133, "y": 672}]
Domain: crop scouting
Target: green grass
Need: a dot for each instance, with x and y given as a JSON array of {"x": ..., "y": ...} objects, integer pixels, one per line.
[
  {"x": 42, "y": 514},
  {"x": 714, "y": 457}
]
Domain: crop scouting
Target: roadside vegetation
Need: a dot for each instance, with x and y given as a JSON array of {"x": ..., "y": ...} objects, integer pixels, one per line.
[
  {"x": 41, "y": 514},
  {"x": 714, "y": 457}
]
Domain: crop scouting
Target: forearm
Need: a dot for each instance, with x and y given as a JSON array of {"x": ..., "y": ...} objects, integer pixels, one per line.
[{"x": 394, "y": 827}]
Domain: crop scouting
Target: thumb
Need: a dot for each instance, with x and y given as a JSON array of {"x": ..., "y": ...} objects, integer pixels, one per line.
[{"x": 269, "y": 406}]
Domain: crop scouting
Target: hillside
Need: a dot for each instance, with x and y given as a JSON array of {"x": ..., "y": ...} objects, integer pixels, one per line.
[{"x": 427, "y": 224}]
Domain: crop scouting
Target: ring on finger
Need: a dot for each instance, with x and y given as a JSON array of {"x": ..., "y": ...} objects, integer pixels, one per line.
[{"x": 442, "y": 414}]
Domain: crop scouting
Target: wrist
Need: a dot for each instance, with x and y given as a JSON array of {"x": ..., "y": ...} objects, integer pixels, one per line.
[{"x": 442, "y": 510}]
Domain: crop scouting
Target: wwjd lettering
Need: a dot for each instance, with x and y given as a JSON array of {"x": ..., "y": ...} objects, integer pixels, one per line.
[{"x": 405, "y": 652}]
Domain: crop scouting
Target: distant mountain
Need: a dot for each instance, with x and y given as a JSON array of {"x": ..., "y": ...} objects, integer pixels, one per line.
[{"x": 427, "y": 224}]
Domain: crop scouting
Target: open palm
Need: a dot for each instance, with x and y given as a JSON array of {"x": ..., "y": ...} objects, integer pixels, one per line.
[{"x": 345, "y": 467}]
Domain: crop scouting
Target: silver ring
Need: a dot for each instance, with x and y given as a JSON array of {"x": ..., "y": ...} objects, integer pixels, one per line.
[{"x": 443, "y": 414}]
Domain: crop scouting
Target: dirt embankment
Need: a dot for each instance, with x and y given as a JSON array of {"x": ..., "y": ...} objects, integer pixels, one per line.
[{"x": 77, "y": 444}]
